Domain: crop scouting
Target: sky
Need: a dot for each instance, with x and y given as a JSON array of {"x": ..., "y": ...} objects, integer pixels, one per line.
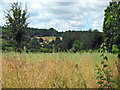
[{"x": 63, "y": 15}]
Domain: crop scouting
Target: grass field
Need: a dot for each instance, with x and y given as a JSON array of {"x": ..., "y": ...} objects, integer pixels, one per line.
[
  {"x": 49, "y": 38},
  {"x": 52, "y": 70}
]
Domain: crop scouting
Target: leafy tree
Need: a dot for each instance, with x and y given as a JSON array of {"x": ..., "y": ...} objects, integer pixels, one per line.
[
  {"x": 77, "y": 46},
  {"x": 16, "y": 23},
  {"x": 53, "y": 32},
  {"x": 111, "y": 27},
  {"x": 68, "y": 39},
  {"x": 88, "y": 39},
  {"x": 33, "y": 45},
  {"x": 42, "y": 32},
  {"x": 57, "y": 41},
  {"x": 91, "y": 40},
  {"x": 57, "y": 44}
]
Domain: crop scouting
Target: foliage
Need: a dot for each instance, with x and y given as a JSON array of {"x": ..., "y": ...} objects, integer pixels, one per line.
[
  {"x": 42, "y": 32},
  {"x": 45, "y": 50},
  {"x": 103, "y": 74},
  {"x": 16, "y": 23},
  {"x": 33, "y": 45},
  {"x": 111, "y": 27},
  {"x": 8, "y": 45},
  {"x": 16, "y": 31},
  {"x": 88, "y": 40},
  {"x": 115, "y": 49},
  {"x": 56, "y": 44},
  {"x": 111, "y": 32},
  {"x": 77, "y": 46}
]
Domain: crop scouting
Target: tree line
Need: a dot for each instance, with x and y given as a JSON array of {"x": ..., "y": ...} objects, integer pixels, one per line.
[
  {"x": 71, "y": 40},
  {"x": 18, "y": 36}
]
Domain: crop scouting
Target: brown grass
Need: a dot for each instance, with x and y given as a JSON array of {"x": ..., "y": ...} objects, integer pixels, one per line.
[{"x": 49, "y": 73}]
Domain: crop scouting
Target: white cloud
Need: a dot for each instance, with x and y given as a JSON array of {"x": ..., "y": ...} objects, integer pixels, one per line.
[{"x": 62, "y": 15}]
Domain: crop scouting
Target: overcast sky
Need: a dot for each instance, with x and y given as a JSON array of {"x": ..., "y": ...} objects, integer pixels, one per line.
[{"x": 62, "y": 14}]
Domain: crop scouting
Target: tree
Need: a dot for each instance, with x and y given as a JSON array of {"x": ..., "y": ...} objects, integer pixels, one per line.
[
  {"x": 87, "y": 40},
  {"x": 111, "y": 27},
  {"x": 57, "y": 44},
  {"x": 33, "y": 45},
  {"x": 16, "y": 22},
  {"x": 77, "y": 46},
  {"x": 68, "y": 39}
]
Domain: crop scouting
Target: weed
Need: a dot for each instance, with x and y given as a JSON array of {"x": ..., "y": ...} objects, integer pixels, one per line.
[{"x": 103, "y": 73}]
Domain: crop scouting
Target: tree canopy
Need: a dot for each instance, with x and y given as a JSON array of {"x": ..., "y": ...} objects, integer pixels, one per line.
[
  {"x": 111, "y": 27},
  {"x": 16, "y": 22}
]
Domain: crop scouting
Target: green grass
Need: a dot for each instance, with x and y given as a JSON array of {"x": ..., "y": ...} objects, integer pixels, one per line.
[{"x": 53, "y": 70}]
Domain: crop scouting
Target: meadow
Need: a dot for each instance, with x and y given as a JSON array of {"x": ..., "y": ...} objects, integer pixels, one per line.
[
  {"x": 53, "y": 70},
  {"x": 49, "y": 38}
]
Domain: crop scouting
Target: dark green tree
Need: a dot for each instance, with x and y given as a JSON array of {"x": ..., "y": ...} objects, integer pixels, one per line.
[
  {"x": 77, "y": 46},
  {"x": 33, "y": 45},
  {"x": 57, "y": 44},
  {"x": 111, "y": 27},
  {"x": 16, "y": 23},
  {"x": 68, "y": 39}
]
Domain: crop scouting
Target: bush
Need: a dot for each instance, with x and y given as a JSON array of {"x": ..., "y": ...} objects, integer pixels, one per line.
[{"x": 45, "y": 50}]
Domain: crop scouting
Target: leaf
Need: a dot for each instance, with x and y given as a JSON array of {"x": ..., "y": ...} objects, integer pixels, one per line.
[
  {"x": 106, "y": 58},
  {"x": 99, "y": 82},
  {"x": 105, "y": 85},
  {"x": 102, "y": 55},
  {"x": 97, "y": 72},
  {"x": 101, "y": 76},
  {"x": 102, "y": 62},
  {"x": 103, "y": 79},
  {"x": 97, "y": 77},
  {"x": 99, "y": 69},
  {"x": 105, "y": 65}
]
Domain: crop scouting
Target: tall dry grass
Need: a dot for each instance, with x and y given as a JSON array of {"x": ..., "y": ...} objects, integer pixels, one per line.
[{"x": 57, "y": 70}]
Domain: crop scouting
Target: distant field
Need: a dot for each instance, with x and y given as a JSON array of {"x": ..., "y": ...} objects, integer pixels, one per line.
[
  {"x": 49, "y": 38},
  {"x": 52, "y": 70}
]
